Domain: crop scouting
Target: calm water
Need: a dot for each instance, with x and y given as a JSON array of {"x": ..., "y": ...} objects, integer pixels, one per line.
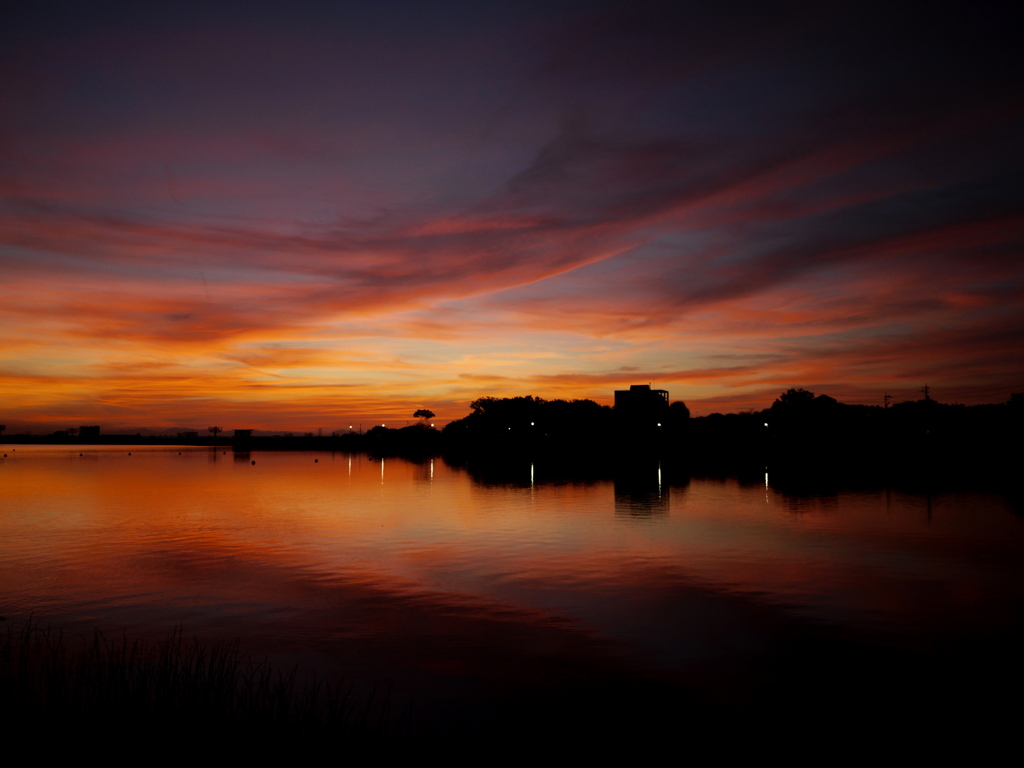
[{"x": 462, "y": 594}]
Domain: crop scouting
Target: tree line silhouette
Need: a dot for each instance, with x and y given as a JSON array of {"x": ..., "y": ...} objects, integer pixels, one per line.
[{"x": 799, "y": 428}]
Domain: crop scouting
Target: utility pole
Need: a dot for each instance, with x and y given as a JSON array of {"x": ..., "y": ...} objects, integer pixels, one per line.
[
  {"x": 888, "y": 397},
  {"x": 925, "y": 390}
]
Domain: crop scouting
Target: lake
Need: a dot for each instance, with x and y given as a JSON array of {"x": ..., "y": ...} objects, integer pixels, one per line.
[{"x": 634, "y": 601}]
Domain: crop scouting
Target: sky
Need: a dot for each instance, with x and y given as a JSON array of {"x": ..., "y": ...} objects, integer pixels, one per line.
[{"x": 312, "y": 214}]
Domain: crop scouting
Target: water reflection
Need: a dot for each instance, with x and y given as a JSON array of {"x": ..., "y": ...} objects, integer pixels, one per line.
[
  {"x": 480, "y": 583},
  {"x": 640, "y": 491}
]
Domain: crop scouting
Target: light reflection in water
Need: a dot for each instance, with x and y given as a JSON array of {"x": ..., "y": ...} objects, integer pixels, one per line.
[
  {"x": 420, "y": 576},
  {"x": 73, "y": 513}
]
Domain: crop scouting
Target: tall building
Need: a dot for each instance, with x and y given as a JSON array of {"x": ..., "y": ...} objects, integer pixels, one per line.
[{"x": 641, "y": 406}]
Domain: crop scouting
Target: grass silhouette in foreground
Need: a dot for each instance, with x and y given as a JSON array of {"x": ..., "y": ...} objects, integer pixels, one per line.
[{"x": 176, "y": 692}]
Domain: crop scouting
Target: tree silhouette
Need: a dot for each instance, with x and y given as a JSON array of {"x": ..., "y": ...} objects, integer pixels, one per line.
[
  {"x": 214, "y": 431},
  {"x": 678, "y": 412},
  {"x": 794, "y": 398},
  {"x": 424, "y": 413}
]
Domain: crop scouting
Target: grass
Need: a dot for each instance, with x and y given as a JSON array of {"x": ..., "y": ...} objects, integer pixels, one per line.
[{"x": 179, "y": 692}]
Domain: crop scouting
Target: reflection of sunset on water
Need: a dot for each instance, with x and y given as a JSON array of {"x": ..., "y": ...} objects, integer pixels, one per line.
[{"x": 199, "y": 537}]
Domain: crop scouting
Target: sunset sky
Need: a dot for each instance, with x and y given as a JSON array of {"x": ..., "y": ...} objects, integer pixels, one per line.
[{"x": 308, "y": 214}]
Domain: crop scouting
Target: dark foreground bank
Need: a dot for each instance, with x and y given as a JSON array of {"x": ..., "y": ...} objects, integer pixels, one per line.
[
  {"x": 74, "y": 693},
  {"x": 817, "y": 693}
]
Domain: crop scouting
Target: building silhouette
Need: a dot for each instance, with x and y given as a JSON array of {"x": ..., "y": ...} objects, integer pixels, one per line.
[{"x": 641, "y": 406}]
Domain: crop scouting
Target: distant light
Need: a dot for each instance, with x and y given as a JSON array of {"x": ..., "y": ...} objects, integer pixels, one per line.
[
  {"x": 766, "y": 423},
  {"x": 531, "y": 423},
  {"x": 659, "y": 423},
  {"x": 383, "y": 425}
]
